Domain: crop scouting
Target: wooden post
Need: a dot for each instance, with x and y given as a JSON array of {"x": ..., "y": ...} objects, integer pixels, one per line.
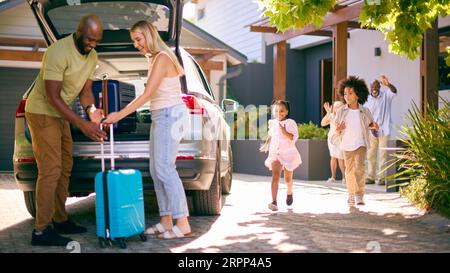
[
  {"x": 429, "y": 78},
  {"x": 339, "y": 55},
  {"x": 279, "y": 71}
]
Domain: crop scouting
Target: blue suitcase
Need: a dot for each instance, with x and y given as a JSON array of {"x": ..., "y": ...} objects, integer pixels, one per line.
[{"x": 119, "y": 202}]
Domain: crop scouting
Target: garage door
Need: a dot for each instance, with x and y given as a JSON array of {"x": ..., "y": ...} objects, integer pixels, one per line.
[{"x": 13, "y": 84}]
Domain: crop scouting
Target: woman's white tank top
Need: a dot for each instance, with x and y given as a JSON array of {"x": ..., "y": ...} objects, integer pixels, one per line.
[{"x": 168, "y": 93}]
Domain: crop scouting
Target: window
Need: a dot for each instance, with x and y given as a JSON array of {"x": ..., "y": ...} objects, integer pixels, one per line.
[
  {"x": 203, "y": 78},
  {"x": 200, "y": 14},
  {"x": 194, "y": 77},
  {"x": 444, "y": 69},
  {"x": 114, "y": 15}
]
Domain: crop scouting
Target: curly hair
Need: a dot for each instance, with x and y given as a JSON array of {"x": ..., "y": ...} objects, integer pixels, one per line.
[{"x": 359, "y": 85}]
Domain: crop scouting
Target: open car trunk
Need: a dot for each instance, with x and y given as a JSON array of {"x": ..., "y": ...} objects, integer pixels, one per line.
[
  {"x": 128, "y": 73},
  {"x": 117, "y": 57},
  {"x": 59, "y": 18}
]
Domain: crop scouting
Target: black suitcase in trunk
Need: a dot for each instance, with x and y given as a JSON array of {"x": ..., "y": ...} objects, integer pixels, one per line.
[{"x": 119, "y": 95}]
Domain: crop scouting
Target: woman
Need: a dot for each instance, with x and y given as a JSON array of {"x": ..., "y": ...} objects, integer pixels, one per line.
[{"x": 163, "y": 90}]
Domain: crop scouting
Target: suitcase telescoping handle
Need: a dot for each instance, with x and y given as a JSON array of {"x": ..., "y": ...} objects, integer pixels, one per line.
[{"x": 111, "y": 145}]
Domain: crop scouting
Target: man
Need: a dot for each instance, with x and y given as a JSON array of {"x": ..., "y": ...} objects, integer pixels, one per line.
[
  {"x": 66, "y": 72},
  {"x": 379, "y": 104}
]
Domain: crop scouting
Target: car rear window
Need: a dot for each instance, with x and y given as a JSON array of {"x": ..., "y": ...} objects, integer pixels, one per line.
[
  {"x": 194, "y": 77},
  {"x": 114, "y": 15}
]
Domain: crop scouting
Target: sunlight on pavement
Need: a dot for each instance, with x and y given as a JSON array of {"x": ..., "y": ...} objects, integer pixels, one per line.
[
  {"x": 247, "y": 215},
  {"x": 10, "y": 194},
  {"x": 318, "y": 221}
]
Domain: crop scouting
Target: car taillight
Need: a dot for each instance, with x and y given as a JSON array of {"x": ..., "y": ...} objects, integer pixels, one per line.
[
  {"x": 20, "y": 112},
  {"x": 185, "y": 157},
  {"x": 193, "y": 104},
  {"x": 26, "y": 160}
]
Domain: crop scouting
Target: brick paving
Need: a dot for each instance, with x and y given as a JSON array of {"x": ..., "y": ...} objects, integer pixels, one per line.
[{"x": 319, "y": 221}]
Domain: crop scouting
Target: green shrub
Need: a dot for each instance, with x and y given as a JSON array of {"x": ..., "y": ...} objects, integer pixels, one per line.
[
  {"x": 311, "y": 131},
  {"x": 414, "y": 192},
  {"x": 425, "y": 161}
]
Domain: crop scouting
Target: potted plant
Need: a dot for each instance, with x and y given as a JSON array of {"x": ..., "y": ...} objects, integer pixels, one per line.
[{"x": 313, "y": 148}]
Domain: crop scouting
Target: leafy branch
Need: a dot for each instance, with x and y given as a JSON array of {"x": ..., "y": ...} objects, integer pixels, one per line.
[{"x": 403, "y": 22}]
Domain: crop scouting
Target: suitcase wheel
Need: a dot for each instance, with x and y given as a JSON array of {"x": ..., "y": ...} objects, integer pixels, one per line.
[
  {"x": 122, "y": 243},
  {"x": 102, "y": 242},
  {"x": 143, "y": 237}
]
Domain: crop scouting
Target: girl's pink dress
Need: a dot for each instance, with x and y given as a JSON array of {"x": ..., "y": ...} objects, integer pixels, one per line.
[{"x": 281, "y": 148}]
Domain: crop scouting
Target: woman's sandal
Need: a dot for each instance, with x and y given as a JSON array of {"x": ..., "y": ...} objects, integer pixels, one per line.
[
  {"x": 175, "y": 233},
  {"x": 155, "y": 229}
]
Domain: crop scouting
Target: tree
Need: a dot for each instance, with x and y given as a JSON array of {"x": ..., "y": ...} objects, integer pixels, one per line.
[{"x": 402, "y": 22}]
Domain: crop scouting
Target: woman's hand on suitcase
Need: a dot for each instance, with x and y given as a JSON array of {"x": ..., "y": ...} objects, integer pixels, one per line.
[
  {"x": 112, "y": 118},
  {"x": 92, "y": 131}
]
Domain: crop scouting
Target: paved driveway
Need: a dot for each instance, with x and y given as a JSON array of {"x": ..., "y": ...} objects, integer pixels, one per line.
[{"x": 320, "y": 221}]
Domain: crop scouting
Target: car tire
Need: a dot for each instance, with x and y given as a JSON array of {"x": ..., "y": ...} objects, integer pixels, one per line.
[
  {"x": 227, "y": 179},
  {"x": 209, "y": 202},
  {"x": 30, "y": 202}
]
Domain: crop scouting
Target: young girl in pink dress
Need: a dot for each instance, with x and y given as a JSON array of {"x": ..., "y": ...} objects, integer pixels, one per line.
[{"x": 283, "y": 155}]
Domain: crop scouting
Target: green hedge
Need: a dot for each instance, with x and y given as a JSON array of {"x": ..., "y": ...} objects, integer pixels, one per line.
[{"x": 311, "y": 131}]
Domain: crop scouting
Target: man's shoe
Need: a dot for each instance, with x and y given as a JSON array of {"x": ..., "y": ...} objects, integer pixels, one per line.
[
  {"x": 68, "y": 227},
  {"x": 370, "y": 181},
  {"x": 49, "y": 237}
]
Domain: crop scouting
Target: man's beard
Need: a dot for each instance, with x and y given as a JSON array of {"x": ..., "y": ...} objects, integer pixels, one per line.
[{"x": 80, "y": 45}]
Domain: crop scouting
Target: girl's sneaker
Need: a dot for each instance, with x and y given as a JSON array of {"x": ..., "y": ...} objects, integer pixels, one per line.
[
  {"x": 351, "y": 200},
  {"x": 331, "y": 180},
  {"x": 289, "y": 199},
  {"x": 343, "y": 181},
  {"x": 273, "y": 206},
  {"x": 360, "y": 200}
]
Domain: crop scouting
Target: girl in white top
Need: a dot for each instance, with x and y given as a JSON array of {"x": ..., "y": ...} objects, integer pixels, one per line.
[
  {"x": 163, "y": 91},
  {"x": 283, "y": 154}
]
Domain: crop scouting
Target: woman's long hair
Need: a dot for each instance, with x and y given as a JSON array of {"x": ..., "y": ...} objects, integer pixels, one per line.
[{"x": 154, "y": 42}]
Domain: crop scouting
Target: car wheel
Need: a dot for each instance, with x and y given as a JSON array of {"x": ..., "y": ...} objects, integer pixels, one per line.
[
  {"x": 209, "y": 202},
  {"x": 227, "y": 179},
  {"x": 30, "y": 202}
]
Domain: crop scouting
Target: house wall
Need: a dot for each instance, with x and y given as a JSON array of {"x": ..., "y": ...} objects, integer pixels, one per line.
[
  {"x": 312, "y": 105},
  {"x": 13, "y": 84},
  {"x": 229, "y": 20},
  {"x": 255, "y": 84},
  {"x": 402, "y": 72},
  {"x": 19, "y": 22},
  {"x": 296, "y": 92},
  {"x": 215, "y": 75}
]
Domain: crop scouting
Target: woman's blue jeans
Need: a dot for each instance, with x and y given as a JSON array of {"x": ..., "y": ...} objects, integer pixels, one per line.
[{"x": 165, "y": 137}]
